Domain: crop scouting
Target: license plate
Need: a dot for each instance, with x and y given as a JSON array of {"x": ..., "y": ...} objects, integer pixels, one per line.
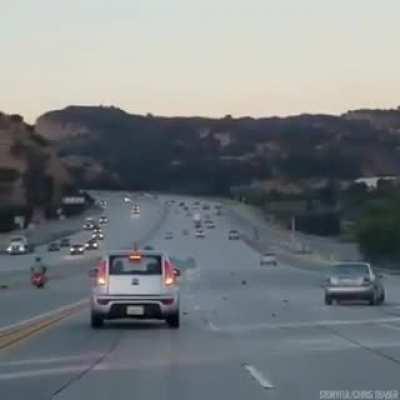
[{"x": 135, "y": 310}]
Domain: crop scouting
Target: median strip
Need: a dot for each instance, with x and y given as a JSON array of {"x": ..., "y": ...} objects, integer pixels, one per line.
[{"x": 12, "y": 334}]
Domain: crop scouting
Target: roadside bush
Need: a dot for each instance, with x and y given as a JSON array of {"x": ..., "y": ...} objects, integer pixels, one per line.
[
  {"x": 8, "y": 175},
  {"x": 324, "y": 224},
  {"x": 378, "y": 231}
]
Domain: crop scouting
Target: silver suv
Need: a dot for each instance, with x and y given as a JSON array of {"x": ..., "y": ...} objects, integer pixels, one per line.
[
  {"x": 135, "y": 284},
  {"x": 354, "y": 281}
]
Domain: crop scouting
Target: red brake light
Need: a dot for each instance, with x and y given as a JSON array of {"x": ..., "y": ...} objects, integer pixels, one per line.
[
  {"x": 170, "y": 277},
  {"x": 101, "y": 273}
]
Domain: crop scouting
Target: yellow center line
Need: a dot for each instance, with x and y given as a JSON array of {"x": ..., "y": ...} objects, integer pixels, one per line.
[{"x": 18, "y": 334}]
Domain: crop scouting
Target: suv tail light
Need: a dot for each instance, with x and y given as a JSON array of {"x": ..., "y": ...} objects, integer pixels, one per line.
[
  {"x": 169, "y": 275},
  {"x": 101, "y": 273}
]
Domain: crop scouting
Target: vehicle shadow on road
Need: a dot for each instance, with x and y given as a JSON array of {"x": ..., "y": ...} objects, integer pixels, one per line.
[{"x": 135, "y": 325}]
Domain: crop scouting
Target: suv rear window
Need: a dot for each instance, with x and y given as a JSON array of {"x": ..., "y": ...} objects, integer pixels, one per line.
[{"x": 148, "y": 265}]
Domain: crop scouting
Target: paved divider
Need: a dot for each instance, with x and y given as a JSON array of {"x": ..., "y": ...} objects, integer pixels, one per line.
[
  {"x": 156, "y": 227},
  {"x": 13, "y": 334}
]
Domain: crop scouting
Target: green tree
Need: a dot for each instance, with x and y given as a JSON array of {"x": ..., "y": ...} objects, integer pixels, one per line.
[{"x": 378, "y": 231}]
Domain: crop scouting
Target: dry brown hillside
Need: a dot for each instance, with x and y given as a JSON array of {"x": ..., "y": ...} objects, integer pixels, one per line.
[{"x": 30, "y": 171}]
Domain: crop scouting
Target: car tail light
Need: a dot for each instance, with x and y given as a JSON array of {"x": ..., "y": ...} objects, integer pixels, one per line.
[
  {"x": 169, "y": 277},
  {"x": 101, "y": 273},
  {"x": 167, "y": 302}
]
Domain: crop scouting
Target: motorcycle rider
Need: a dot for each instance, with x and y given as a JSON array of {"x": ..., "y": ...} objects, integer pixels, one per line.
[{"x": 38, "y": 268}]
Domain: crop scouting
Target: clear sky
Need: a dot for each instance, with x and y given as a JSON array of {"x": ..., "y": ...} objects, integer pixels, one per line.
[{"x": 200, "y": 57}]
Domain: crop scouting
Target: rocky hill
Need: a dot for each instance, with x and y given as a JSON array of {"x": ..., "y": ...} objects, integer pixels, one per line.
[
  {"x": 388, "y": 120},
  {"x": 107, "y": 146},
  {"x": 31, "y": 173}
]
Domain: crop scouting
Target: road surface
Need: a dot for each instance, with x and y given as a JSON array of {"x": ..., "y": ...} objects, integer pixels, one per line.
[{"x": 247, "y": 332}]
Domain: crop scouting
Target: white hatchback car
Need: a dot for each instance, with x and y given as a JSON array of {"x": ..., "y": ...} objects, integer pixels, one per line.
[{"x": 135, "y": 284}]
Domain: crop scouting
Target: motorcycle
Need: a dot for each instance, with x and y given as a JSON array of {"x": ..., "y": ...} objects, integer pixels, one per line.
[{"x": 39, "y": 280}]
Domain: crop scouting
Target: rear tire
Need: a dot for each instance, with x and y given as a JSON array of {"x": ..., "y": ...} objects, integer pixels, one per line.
[
  {"x": 328, "y": 300},
  {"x": 96, "y": 321},
  {"x": 173, "y": 321},
  {"x": 382, "y": 298},
  {"x": 373, "y": 301}
]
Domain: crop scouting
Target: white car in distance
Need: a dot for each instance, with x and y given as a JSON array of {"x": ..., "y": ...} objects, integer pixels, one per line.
[
  {"x": 268, "y": 258},
  {"x": 18, "y": 245}
]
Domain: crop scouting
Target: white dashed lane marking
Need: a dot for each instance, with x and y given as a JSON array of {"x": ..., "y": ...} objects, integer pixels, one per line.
[{"x": 258, "y": 376}]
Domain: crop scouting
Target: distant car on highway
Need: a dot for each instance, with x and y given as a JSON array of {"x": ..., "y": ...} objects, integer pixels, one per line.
[
  {"x": 268, "y": 258},
  {"x": 77, "y": 249},
  {"x": 65, "y": 242},
  {"x": 135, "y": 284},
  {"x": 103, "y": 220},
  {"x": 354, "y": 281},
  {"x": 19, "y": 245},
  {"x": 233, "y": 235},
  {"x": 103, "y": 203},
  {"x": 209, "y": 224},
  {"x": 97, "y": 229},
  {"x": 54, "y": 246},
  {"x": 199, "y": 234},
  {"x": 88, "y": 226},
  {"x": 135, "y": 210},
  {"x": 92, "y": 244},
  {"x": 97, "y": 236},
  {"x": 168, "y": 236}
]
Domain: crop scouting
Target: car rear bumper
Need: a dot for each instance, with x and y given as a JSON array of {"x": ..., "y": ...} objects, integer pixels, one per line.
[
  {"x": 272, "y": 262},
  {"x": 154, "y": 307},
  {"x": 15, "y": 252},
  {"x": 357, "y": 292}
]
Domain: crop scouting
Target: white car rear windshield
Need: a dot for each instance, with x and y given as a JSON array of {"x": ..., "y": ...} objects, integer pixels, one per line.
[
  {"x": 147, "y": 265},
  {"x": 17, "y": 239},
  {"x": 351, "y": 269}
]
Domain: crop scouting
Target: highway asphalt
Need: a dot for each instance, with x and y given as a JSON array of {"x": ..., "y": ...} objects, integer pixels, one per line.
[{"x": 247, "y": 332}]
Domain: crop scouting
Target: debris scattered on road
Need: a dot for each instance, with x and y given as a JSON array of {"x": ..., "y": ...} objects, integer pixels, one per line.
[{"x": 244, "y": 282}]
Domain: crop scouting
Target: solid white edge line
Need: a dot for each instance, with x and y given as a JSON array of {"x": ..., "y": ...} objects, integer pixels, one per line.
[
  {"x": 396, "y": 328},
  {"x": 6, "y": 329},
  {"x": 311, "y": 324},
  {"x": 258, "y": 376}
]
